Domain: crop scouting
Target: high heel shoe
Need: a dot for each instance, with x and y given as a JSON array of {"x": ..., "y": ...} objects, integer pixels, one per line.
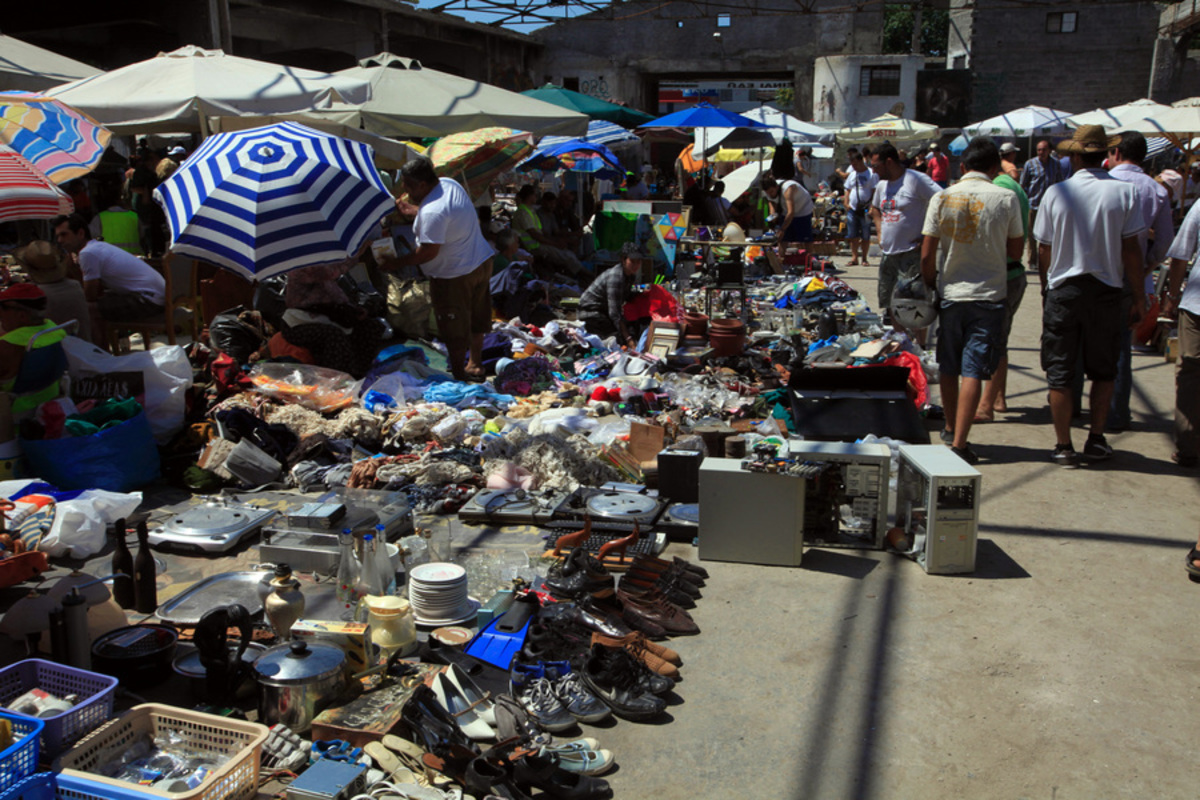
[
  {"x": 429, "y": 724},
  {"x": 465, "y": 710}
]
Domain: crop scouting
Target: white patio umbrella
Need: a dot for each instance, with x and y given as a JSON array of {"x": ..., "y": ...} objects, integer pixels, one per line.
[
  {"x": 886, "y": 127},
  {"x": 32, "y": 69},
  {"x": 1130, "y": 116},
  {"x": 408, "y": 100},
  {"x": 176, "y": 91},
  {"x": 796, "y": 130},
  {"x": 1021, "y": 123}
]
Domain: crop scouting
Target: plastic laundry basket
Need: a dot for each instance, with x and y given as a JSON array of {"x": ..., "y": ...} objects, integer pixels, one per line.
[{"x": 94, "y": 706}]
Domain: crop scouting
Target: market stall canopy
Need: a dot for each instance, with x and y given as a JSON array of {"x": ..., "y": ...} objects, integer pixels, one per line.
[
  {"x": 173, "y": 91},
  {"x": 576, "y": 155},
  {"x": 608, "y": 134},
  {"x": 702, "y": 115},
  {"x": 593, "y": 107},
  {"x": 269, "y": 200},
  {"x": 1181, "y": 121},
  {"x": 1127, "y": 117},
  {"x": 60, "y": 141},
  {"x": 886, "y": 128},
  {"x": 475, "y": 158},
  {"x": 26, "y": 192},
  {"x": 31, "y": 68},
  {"x": 731, "y": 154},
  {"x": 797, "y": 131},
  {"x": 710, "y": 140},
  {"x": 408, "y": 100},
  {"x": 389, "y": 153},
  {"x": 1022, "y": 123}
]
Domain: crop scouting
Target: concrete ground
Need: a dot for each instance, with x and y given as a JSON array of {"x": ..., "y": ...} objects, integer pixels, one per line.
[{"x": 1060, "y": 669}]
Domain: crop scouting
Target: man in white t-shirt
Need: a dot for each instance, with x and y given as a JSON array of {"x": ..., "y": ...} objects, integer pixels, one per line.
[
  {"x": 458, "y": 260},
  {"x": 979, "y": 227},
  {"x": 898, "y": 208},
  {"x": 119, "y": 287},
  {"x": 1184, "y": 302},
  {"x": 1087, "y": 233},
  {"x": 860, "y": 188}
]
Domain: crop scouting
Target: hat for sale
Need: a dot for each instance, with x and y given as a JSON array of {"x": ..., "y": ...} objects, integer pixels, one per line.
[
  {"x": 43, "y": 262},
  {"x": 22, "y": 293},
  {"x": 1008, "y": 147},
  {"x": 1089, "y": 139}
]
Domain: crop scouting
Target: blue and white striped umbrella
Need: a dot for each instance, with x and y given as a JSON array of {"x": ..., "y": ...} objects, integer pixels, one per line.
[
  {"x": 267, "y": 200},
  {"x": 599, "y": 132}
]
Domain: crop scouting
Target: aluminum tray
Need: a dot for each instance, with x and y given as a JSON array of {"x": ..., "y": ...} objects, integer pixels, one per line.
[{"x": 219, "y": 590}]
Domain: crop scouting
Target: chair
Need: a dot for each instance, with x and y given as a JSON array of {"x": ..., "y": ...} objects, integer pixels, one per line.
[{"x": 180, "y": 307}]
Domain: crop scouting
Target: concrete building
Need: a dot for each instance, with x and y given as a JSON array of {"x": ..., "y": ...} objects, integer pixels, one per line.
[
  {"x": 317, "y": 34},
  {"x": 1074, "y": 57},
  {"x": 863, "y": 87},
  {"x": 661, "y": 55}
]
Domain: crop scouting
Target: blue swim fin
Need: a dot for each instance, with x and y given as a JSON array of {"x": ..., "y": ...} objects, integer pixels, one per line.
[{"x": 504, "y": 636}]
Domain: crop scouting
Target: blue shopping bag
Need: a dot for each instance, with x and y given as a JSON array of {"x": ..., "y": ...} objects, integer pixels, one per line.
[{"x": 118, "y": 459}]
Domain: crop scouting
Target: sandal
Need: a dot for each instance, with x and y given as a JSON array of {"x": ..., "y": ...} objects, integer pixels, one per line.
[
  {"x": 1193, "y": 571},
  {"x": 395, "y": 770},
  {"x": 409, "y": 756}
]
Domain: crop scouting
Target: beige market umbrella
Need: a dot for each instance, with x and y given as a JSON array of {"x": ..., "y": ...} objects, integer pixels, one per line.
[
  {"x": 176, "y": 91},
  {"x": 1127, "y": 117},
  {"x": 886, "y": 128},
  {"x": 31, "y": 68},
  {"x": 408, "y": 100}
]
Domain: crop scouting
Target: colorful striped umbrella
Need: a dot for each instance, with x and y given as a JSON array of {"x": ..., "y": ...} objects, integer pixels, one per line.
[
  {"x": 268, "y": 200},
  {"x": 475, "y": 158},
  {"x": 576, "y": 155},
  {"x": 599, "y": 132},
  {"x": 26, "y": 192},
  {"x": 60, "y": 141}
]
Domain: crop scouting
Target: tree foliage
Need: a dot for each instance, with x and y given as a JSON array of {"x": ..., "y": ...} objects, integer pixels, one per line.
[{"x": 898, "y": 26}]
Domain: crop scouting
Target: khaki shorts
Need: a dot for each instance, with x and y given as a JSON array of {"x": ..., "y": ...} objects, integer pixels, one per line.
[{"x": 462, "y": 305}]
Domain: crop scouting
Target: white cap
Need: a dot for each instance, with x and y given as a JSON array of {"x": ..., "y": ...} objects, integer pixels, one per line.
[
  {"x": 176, "y": 152},
  {"x": 1008, "y": 147}
]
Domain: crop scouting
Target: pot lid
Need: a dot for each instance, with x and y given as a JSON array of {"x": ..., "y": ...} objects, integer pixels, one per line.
[
  {"x": 299, "y": 662},
  {"x": 189, "y": 664}
]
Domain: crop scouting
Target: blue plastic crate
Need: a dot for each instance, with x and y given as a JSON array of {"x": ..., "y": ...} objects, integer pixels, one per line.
[
  {"x": 20, "y": 759},
  {"x": 75, "y": 787},
  {"x": 39, "y": 786}
]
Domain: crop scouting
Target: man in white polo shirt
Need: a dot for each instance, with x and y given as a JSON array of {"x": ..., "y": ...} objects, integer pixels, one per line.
[
  {"x": 120, "y": 287},
  {"x": 1186, "y": 304},
  {"x": 1087, "y": 232}
]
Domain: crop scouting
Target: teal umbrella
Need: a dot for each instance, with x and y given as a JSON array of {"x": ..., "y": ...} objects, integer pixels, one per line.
[{"x": 593, "y": 107}]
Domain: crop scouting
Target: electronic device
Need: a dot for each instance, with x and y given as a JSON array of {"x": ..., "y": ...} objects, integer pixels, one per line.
[
  {"x": 214, "y": 526},
  {"x": 680, "y": 521},
  {"x": 308, "y": 549},
  {"x": 750, "y": 517},
  {"x": 511, "y": 506},
  {"x": 317, "y": 516},
  {"x": 937, "y": 505},
  {"x": 327, "y": 779},
  {"x": 860, "y": 503},
  {"x": 611, "y": 507},
  {"x": 679, "y": 475}
]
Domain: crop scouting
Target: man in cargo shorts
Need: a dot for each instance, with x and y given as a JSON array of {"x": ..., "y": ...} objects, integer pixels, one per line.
[{"x": 458, "y": 260}]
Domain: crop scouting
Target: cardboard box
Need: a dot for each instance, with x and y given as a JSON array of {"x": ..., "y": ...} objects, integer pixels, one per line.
[{"x": 350, "y": 636}]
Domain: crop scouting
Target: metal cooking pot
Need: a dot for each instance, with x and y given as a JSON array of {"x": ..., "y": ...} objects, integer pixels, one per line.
[{"x": 297, "y": 681}]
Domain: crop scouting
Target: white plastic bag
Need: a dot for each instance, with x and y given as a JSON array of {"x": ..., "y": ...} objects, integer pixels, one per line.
[
  {"x": 166, "y": 377},
  {"x": 80, "y": 524}
]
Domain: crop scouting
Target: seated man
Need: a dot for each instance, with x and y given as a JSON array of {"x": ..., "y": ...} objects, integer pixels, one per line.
[
  {"x": 528, "y": 225},
  {"x": 119, "y": 287},
  {"x": 602, "y": 306},
  {"x": 46, "y": 266},
  {"x": 22, "y": 309}
]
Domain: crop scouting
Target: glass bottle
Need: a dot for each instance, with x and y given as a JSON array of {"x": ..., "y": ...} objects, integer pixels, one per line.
[
  {"x": 122, "y": 567},
  {"x": 347, "y": 574},
  {"x": 369, "y": 580},
  {"x": 145, "y": 577}
]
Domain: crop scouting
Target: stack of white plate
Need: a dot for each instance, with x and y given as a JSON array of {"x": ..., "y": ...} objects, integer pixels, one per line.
[{"x": 438, "y": 593}]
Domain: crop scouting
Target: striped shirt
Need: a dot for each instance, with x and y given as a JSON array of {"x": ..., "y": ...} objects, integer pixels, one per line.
[{"x": 1036, "y": 178}]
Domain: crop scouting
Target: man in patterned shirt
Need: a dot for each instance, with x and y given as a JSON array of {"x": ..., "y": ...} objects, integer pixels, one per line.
[
  {"x": 602, "y": 306},
  {"x": 1038, "y": 175}
]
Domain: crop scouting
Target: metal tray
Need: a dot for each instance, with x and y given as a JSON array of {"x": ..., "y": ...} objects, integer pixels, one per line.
[{"x": 219, "y": 590}]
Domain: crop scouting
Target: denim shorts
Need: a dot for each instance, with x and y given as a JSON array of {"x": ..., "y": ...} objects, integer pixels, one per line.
[
  {"x": 971, "y": 340},
  {"x": 857, "y": 224}
]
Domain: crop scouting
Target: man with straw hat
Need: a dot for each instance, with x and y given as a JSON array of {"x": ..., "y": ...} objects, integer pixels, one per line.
[
  {"x": 46, "y": 266},
  {"x": 1087, "y": 233}
]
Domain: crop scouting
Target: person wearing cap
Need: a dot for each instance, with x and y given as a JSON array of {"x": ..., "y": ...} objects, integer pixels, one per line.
[
  {"x": 22, "y": 316},
  {"x": 977, "y": 226},
  {"x": 860, "y": 188},
  {"x": 451, "y": 250},
  {"x": 635, "y": 188},
  {"x": 938, "y": 166},
  {"x": 120, "y": 286},
  {"x": 65, "y": 301},
  {"x": 1008, "y": 161},
  {"x": 1037, "y": 176},
  {"x": 177, "y": 154},
  {"x": 1087, "y": 231},
  {"x": 602, "y": 306}
]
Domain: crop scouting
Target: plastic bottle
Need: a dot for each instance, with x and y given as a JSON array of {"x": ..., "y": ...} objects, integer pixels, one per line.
[
  {"x": 347, "y": 575},
  {"x": 369, "y": 580},
  {"x": 383, "y": 562},
  {"x": 122, "y": 567}
]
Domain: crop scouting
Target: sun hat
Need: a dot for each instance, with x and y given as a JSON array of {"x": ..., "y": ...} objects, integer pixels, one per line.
[
  {"x": 22, "y": 293},
  {"x": 1008, "y": 147},
  {"x": 43, "y": 262},
  {"x": 1089, "y": 139}
]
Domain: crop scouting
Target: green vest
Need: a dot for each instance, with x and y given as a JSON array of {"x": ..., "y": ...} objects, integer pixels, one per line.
[
  {"x": 120, "y": 229},
  {"x": 20, "y": 338}
]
